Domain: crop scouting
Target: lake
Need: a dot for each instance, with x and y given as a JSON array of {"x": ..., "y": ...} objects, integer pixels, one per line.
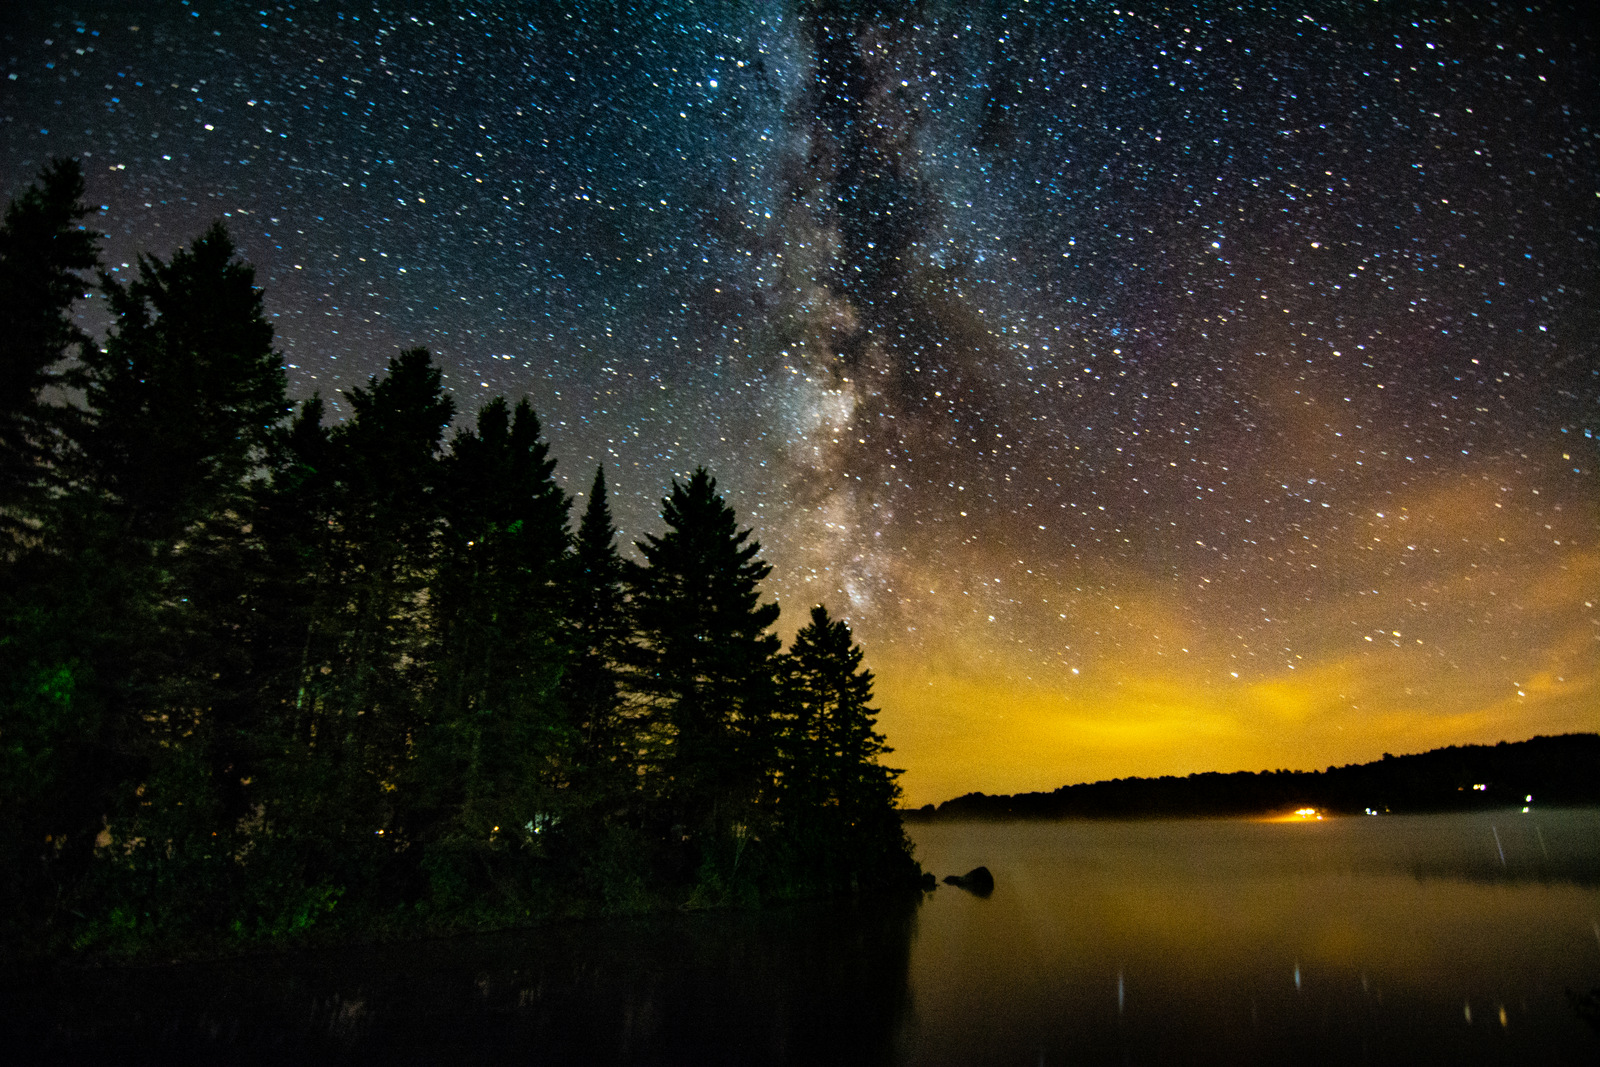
[
  {"x": 1450, "y": 938},
  {"x": 1440, "y": 938}
]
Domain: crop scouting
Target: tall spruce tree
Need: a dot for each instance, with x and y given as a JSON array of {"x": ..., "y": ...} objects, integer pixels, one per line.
[
  {"x": 293, "y": 801},
  {"x": 705, "y": 667},
  {"x": 599, "y": 630},
  {"x": 188, "y": 392},
  {"x": 183, "y": 404},
  {"x": 366, "y": 677},
  {"x": 605, "y": 825},
  {"x": 186, "y": 403},
  {"x": 839, "y": 799},
  {"x": 293, "y": 523},
  {"x": 49, "y": 718},
  {"x": 500, "y": 750},
  {"x": 44, "y": 248}
]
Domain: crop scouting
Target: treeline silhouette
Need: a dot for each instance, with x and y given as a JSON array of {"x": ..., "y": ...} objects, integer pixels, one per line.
[
  {"x": 1554, "y": 771},
  {"x": 260, "y": 675}
]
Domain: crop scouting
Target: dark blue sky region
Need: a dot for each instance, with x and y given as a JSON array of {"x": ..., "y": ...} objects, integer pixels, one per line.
[{"x": 1155, "y": 388}]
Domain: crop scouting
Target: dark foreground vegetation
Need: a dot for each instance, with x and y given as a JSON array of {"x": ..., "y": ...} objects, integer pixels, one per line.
[
  {"x": 1559, "y": 771},
  {"x": 263, "y": 679}
]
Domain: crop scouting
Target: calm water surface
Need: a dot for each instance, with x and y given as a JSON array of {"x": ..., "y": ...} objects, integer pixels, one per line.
[
  {"x": 1448, "y": 939},
  {"x": 1362, "y": 940}
]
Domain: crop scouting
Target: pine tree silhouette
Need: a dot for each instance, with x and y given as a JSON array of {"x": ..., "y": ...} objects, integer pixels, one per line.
[
  {"x": 188, "y": 390},
  {"x": 839, "y": 798},
  {"x": 43, "y": 248},
  {"x": 367, "y": 668},
  {"x": 51, "y": 787},
  {"x": 499, "y": 750},
  {"x": 598, "y": 633},
  {"x": 705, "y": 668}
]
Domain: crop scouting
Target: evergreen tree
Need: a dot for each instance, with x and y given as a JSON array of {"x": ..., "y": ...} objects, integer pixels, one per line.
[
  {"x": 366, "y": 677},
  {"x": 705, "y": 668},
  {"x": 291, "y": 797},
  {"x": 292, "y": 522},
  {"x": 604, "y": 835},
  {"x": 140, "y": 600},
  {"x": 598, "y": 632},
  {"x": 500, "y": 748},
  {"x": 186, "y": 402},
  {"x": 839, "y": 798},
  {"x": 386, "y": 515},
  {"x": 49, "y": 719},
  {"x": 43, "y": 247},
  {"x": 188, "y": 392}
]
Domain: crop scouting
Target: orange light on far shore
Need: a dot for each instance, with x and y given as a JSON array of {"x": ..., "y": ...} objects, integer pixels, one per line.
[{"x": 1297, "y": 815}]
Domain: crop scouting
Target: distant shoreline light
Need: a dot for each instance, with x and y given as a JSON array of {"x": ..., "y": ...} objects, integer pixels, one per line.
[{"x": 1298, "y": 815}]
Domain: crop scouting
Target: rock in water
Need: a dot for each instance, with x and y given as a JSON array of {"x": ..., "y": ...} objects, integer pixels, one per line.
[{"x": 978, "y": 880}]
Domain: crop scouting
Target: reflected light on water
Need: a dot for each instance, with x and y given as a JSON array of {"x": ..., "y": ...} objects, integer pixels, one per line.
[{"x": 1389, "y": 931}]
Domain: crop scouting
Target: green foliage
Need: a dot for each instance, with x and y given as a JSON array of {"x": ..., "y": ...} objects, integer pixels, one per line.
[{"x": 264, "y": 680}]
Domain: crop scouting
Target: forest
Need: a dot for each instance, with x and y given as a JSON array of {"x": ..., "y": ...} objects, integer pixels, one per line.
[
  {"x": 267, "y": 678},
  {"x": 1560, "y": 771}
]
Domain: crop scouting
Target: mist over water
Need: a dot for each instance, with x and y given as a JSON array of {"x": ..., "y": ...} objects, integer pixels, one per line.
[{"x": 1447, "y": 938}]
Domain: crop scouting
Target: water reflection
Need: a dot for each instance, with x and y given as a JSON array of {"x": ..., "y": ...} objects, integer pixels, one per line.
[
  {"x": 1345, "y": 940},
  {"x": 802, "y": 985},
  {"x": 1353, "y": 940}
]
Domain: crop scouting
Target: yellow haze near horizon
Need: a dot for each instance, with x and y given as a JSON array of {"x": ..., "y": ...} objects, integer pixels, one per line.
[{"x": 955, "y": 733}]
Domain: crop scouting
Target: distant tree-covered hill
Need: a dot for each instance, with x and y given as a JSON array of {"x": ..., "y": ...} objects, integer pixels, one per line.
[{"x": 1554, "y": 771}]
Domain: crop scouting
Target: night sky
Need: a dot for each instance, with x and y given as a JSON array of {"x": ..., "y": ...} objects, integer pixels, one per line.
[{"x": 1153, "y": 389}]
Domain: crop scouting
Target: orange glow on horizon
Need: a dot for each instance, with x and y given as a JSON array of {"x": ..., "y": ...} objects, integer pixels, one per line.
[{"x": 1436, "y": 614}]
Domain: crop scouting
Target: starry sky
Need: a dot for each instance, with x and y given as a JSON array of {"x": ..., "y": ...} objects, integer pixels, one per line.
[{"x": 1154, "y": 389}]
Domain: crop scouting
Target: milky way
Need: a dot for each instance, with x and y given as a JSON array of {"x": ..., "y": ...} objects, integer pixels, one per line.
[{"x": 1153, "y": 389}]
